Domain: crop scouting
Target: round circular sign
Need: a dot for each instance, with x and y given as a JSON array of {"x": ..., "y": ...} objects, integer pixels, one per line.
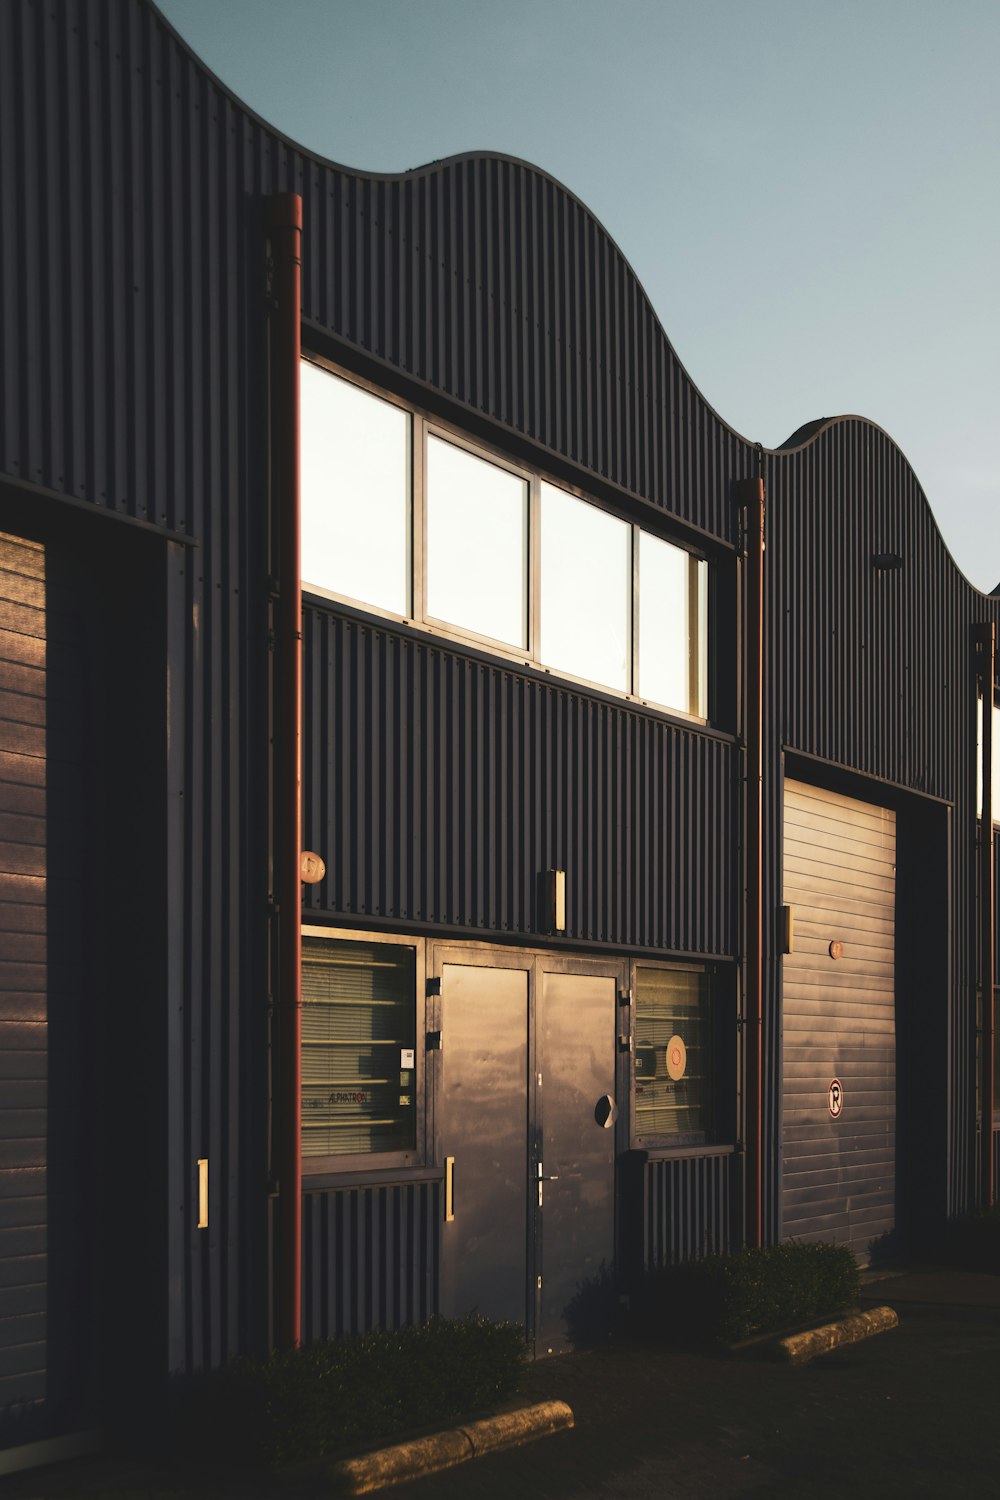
[
  {"x": 677, "y": 1057},
  {"x": 312, "y": 867},
  {"x": 835, "y": 1097},
  {"x": 836, "y": 949}
]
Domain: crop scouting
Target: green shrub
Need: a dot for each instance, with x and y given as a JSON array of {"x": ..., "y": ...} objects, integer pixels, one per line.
[
  {"x": 732, "y": 1297},
  {"x": 342, "y": 1393}
]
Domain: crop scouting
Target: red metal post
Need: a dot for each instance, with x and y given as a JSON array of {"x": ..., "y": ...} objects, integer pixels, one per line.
[
  {"x": 284, "y": 224},
  {"x": 750, "y": 494},
  {"x": 986, "y": 635}
]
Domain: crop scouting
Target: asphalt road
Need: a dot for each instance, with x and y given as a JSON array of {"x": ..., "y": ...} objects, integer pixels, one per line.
[{"x": 911, "y": 1412}]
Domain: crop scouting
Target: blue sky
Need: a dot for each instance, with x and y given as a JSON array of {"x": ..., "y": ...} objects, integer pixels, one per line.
[{"x": 809, "y": 190}]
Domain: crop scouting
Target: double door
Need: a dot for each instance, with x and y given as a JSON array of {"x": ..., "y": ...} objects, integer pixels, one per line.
[{"x": 526, "y": 1127}]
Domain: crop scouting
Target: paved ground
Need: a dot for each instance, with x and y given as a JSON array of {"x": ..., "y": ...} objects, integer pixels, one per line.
[{"x": 909, "y": 1413}]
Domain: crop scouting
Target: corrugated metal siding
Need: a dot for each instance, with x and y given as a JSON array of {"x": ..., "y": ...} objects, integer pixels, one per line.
[
  {"x": 689, "y": 1208},
  {"x": 439, "y": 786},
  {"x": 484, "y": 278},
  {"x": 130, "y": 373},
  {"x": 480, "y": 276},
  {"x": 129, "y": 338},
  {"x": 370, "y": 1258},
  {"x": 130, "y": 329}
]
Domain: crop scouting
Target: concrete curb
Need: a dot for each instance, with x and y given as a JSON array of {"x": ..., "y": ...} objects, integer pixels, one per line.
[
  {"x": 800, "y": 1347},
  {"x": 442, "y": 1450}
]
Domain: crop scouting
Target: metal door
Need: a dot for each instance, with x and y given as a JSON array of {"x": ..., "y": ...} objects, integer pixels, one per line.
[
  {"x": 482, "y": 1130},
  {"x": 575, "y": 1114},
  {"x": 525, "y": 1130},
  {"x": 839, "y": 1026}
]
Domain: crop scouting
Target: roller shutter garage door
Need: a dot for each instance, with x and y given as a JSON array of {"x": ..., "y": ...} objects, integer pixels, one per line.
[
  {"x": 49, "y": 1088},
  {"x": 839, "y": 1019}
]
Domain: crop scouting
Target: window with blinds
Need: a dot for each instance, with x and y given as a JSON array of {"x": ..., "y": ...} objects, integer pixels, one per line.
[
  {"x": 358, "y": 1048},
  {"x": 674, "y": 1056}
]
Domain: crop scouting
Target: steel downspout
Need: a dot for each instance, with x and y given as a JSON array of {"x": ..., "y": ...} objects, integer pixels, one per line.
[
  {"x": 751, "y": 496},
  {"x": 284, "y": 222},
  {"x": 986, "y": 636}
]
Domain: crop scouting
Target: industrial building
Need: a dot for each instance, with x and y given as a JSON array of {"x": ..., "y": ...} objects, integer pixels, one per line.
[{"x": 640, "y": 899}]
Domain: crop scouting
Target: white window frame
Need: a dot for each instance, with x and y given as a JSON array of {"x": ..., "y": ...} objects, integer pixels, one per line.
[
  {"x": 995, "y": 746},
  {"x": 422, "y": 426}
]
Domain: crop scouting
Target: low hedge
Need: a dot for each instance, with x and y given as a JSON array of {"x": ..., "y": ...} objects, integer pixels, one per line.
[
  {"x": 728, "y": 1298},
  {"x": 341, "y": 1393}
]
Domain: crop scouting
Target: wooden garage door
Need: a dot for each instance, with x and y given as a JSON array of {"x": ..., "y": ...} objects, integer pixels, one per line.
[{"x": 839, "y": 1019}]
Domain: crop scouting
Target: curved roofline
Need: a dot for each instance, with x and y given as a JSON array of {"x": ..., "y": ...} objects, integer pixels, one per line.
[
  {"x": 808, "y": 433},
  {"x": 439, "y": 163},
  {"x": 798, "y": 440}
]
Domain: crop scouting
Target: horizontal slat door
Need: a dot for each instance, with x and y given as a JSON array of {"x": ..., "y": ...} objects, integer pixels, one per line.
[
  {"x": 23, "y": 982},
  {"x": 839, "y": 1019}
]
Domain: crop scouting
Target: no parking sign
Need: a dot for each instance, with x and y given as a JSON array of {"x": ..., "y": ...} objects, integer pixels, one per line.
[{"x": 835, "y": 1097}]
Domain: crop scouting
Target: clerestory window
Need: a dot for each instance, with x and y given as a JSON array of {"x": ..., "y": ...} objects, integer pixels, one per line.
[{"x": 412, "y": 520}]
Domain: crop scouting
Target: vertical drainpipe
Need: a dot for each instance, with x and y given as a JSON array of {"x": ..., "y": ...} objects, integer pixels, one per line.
[
  {"x": 750, "y": 494},
  {"x": 986, "y": 638},
  {"x": 284, "y": 229}
]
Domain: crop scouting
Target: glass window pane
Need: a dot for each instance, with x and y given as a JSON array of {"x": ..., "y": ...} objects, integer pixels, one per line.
[
  {"x": 477, "y": 544},
  {"x": 358, "y": 1018},
  {"x": 586, "y": 591},
  {"x": 355, "y": 492},
  {"x": 673, "y": 620},
  {"x": 674, "y": 1082}
]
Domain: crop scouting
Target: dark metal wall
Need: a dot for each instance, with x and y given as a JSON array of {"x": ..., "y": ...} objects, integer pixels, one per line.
[
  {"x": 439, "y": 786},
  {"x": 487, "y": 280},
  {"x": 131, "y": 325},
  {"x": 370, "y": 1257},
  {"x": 131, "y": 329},
  {"x": 690, "y": 1207},
  {"x": 127, "y": 353}
]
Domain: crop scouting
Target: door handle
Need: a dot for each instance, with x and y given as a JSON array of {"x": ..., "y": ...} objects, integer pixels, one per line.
[
  {"x": 449, "y": 1189},
  {"x": 542, "y": 1178}
]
